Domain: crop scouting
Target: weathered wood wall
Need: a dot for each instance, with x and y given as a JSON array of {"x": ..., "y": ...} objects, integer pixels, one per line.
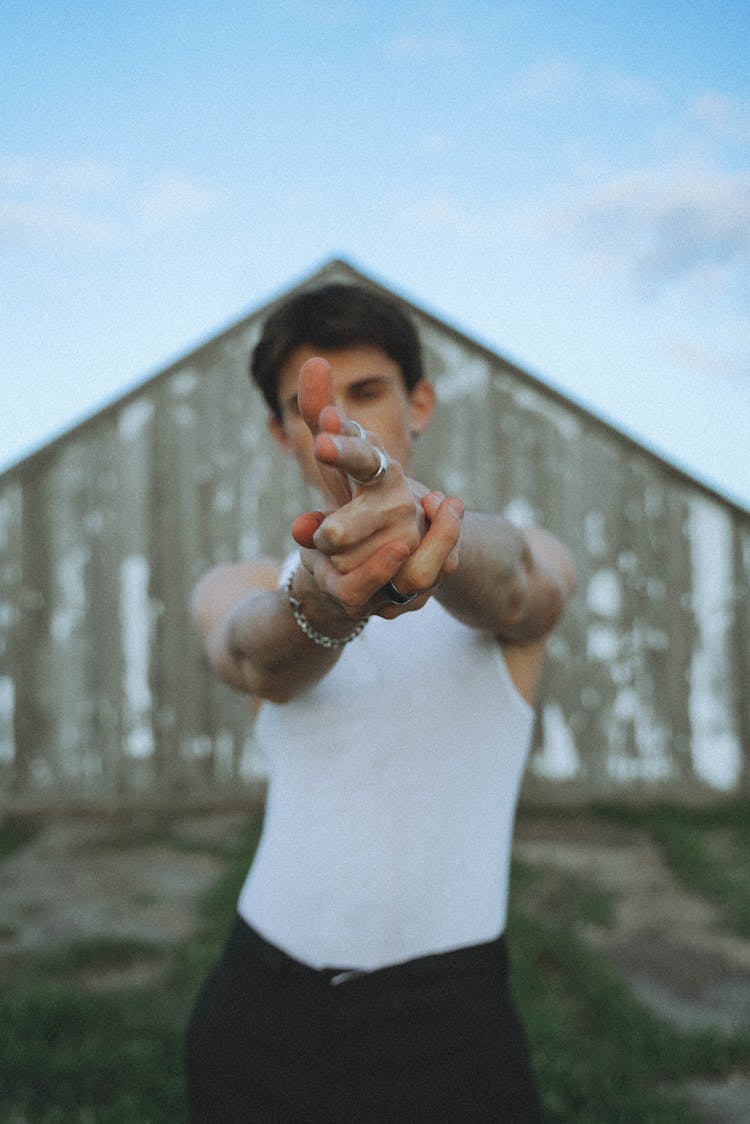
[{"x": 104, "y": 693}]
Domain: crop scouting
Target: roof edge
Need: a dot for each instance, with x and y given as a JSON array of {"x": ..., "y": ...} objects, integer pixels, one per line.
[{"x": 318, "y": 274}]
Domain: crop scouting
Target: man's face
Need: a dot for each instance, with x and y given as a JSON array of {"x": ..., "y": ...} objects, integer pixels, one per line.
[{"x": 369, "y": 388}]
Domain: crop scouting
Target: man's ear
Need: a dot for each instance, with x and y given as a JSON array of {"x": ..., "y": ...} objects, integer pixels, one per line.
[
  {"x": 421, "y": 406},
  {"x": 279, "y": 434}
]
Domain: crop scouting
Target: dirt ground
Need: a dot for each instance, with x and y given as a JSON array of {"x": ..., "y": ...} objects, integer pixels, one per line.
[
  {"x": 666, "y": 943},
  {"x": 81, "y": 878}
]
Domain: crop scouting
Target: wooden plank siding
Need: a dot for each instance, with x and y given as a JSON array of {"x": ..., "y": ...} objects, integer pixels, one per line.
[{"x": 104, "y": 692}]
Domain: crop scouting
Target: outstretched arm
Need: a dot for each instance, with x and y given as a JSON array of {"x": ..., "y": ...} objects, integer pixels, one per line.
[
  {"x": 251, "y": 637},
  {"x": 498, "y": 577},
  {"x": 513, "y": 582},
  {"x": 250, "y": 632}
]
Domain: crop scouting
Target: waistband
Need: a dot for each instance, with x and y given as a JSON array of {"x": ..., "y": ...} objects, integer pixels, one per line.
[{"x": 470, "y": 960}]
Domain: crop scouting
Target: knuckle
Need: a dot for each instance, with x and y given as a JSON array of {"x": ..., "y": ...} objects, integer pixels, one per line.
[
  {"x": 330, "y": 537},
  {"x": 450, "y": 566},
  {"x": 351, "y": 602},
  {"x": 421, "y": 575}
]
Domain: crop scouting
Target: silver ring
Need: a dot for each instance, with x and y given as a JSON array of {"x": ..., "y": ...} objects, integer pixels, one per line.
[
  {"x": 397, "y": 598},
  {"x": 360, "y": 431},
  {"x": 379, "y": 471}
]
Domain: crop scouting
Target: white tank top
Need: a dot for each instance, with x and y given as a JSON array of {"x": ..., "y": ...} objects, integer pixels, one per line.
[{"x": 393, "y": 785}]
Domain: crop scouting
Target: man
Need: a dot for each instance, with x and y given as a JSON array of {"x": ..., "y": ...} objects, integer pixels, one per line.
[{"x": 396, "y": 655}]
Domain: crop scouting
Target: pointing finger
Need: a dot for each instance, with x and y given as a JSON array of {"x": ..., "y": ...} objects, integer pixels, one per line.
[{"x": 314, "y": 391}]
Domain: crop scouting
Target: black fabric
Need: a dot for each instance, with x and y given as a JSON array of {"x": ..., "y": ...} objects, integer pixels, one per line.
[{"x": 437, "y": 1039}]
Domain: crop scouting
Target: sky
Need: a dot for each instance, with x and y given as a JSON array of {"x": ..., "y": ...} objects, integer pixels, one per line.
[{"x": 569, "y": 184}]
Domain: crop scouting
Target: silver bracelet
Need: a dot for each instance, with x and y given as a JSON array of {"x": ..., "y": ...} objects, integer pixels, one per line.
[{"x": 310, "y": 631}]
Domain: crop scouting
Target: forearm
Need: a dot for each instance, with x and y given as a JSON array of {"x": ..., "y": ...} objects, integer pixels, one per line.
[
  {"x": 259, "y": 648},
  {"x": 510, "y": 581}
]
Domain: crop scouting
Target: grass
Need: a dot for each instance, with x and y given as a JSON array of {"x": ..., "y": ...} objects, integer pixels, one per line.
[
  {"x": 600, "y": 1055},
  {"x": 71, "y": 1057},
  {"x": 708, "y": 849},
  {"x": 15, "y": 833},
  {"x": 68, "y": 1056}
]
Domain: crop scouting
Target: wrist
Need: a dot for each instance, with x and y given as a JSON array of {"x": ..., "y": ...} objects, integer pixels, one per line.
[{"x": 319, "y": 617}]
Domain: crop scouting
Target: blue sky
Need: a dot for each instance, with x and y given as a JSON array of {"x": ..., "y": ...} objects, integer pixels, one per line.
[{"x": 568, "y": 183}]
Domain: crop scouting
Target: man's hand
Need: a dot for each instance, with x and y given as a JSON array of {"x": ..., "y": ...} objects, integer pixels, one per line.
[
  {"x": 361, "y": 589},
  {"x": 392, "y": 529},
  {"x": 367, "y": 517}
]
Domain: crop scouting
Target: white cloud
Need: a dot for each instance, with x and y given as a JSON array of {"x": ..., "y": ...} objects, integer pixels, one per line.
[
  {"x": 630, "y": 89},
  {"x": 329, "y": 13},
  {"x": 436, "y": 143},
  {"x": 445, "y": 215},
  {"x": 419, "y": 47},
  {"x": 686, "y": 221},
  {"x": 727, "y": 119},
  {"x": 706, "y": 358},
  {"x": 561, "y": 76},
  {"x": 87, "y": 201},
  {"x": 557, "y": 76},
  {"x": 21, "y": 221},
  {"x": 42, "y": 198},
  {"x": 547, "y": 80},
  {"x": 23, "y": 173},
  {"x": 170, "y": 199}
]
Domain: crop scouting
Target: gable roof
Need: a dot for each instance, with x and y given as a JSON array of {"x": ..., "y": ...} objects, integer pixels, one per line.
[{"x": 340, "y": 269}]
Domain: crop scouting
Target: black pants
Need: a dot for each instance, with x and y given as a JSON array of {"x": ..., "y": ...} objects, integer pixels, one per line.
[{"x": 435, "y": 1040}]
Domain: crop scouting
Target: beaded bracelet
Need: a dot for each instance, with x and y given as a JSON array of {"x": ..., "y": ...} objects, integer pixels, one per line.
[{"x": 310, "y": 631}]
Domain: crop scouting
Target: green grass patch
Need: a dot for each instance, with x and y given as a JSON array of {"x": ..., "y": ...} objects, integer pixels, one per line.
[
  {"x": 93, "y": 953},
  {"x": 599, "y": 1054},
  {"x": 15, "y": 833},
  {"x": 70, "y": 1057},
  {"x": 708, "y": 849}
]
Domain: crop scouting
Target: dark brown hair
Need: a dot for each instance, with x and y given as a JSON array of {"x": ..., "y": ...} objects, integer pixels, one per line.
[{"x": 330, "y": 317}]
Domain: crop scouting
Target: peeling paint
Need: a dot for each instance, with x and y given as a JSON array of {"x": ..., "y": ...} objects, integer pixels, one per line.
[
  {"x": 200, "y": 748},
  {"x": 558, "y": 759},
  {"x": 139, "y": 742},
  {"x": 463, "y": 380},
  {"x": 184, "y": 383},
  {"x": 223, "y": 750},
  {"x": 94, "y": 522},
  {"x": 626, "y": 769},
  {"x": 603, "y": 643},
  {"x": 627, "y": 562},
  {"x": 184, "y": 415},
  {"x": 252, "y": 763},
  {"x": 71, "y": 581},
  {"x": 6, "y": 515},
  {"x": 594, "y": 534},
  {"x": 7, "y": 718},
  {"x": 135, "y": 631},
  {"x": 134, "y": 418},
  {"x": 224, "y": 500},
  {"x": 604, "y": 594},
  {"x": 520, "y": 512},
  {"x": 716, "y": 751}
]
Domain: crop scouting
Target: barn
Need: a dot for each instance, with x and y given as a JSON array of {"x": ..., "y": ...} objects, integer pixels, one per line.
[{"x": 105, "y": 695}]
